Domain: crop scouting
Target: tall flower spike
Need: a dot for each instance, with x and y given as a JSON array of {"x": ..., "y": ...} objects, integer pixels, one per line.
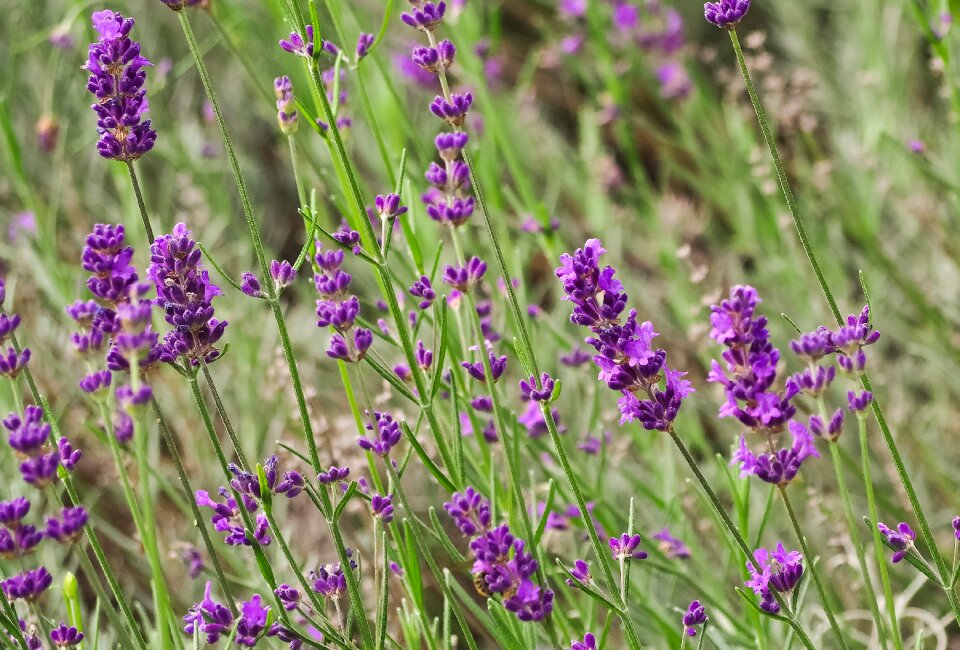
[
  {"x": 286, "y": 106},
  {"x": 338, "y": 309},
  {"x": 695, "y": 616},
  {"x": 386, "y": 435},
  {"x": 629, "y": 363},
  {"x": 117, "y": 74},
  {"x": 778, "y": 571}
]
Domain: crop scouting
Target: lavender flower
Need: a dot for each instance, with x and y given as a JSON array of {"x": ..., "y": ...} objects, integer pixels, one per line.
[
  {"x": 12, "y": 512},
  {"x": 364, "y": 42},
  {"x": 424, "y": 290},
  {"x": 625, "y": 547},
  {"x": 329, "y": 581},
  {"x": 670, "y": 546},
  {"x": 859, "y": 402},
  {"x": 30, "y": 439},
  {"x": 333, "y": 475},
  {"x": 338, "y": 309},
  {"x": 8, "y": 324},
  {"x": 250, "y": 285},
  {"x": 529, "y": 390},
  {"x": 28, "y": 585},
  {"x": 579, "y": 572},
  {"x": 227, "y": 518},
  {"x": 470, "y": 512},
  {"x": 192, "y": 557},
  {"x": 726, "y": 13},
  {"x": 778, "y": 571},
  {"x": 778, "y": 467},
  {"x": 694, "y": 616},
  {"x": 425, "y": 17},
  {"x": 106, "y": 257},
  {"x": 901, "y": 539},
  {"x": 248, "y": 484},
  {"x": 68, "y": 527},
  {"x": 627, "y": 360},
  {"x": 286, "y": 105},
  {"x": 65, "y": 636},
  {"x": 297, "y": 45},
  {"x": 288, "y": 596},
  {"x": 209, "y": 617},
  {"x": 19, "y": 541},
  {"x": 504, "y": 567},
  {"x": 117, "y": 76},
  {"x": 589, "y": 643},
  {"x": 498, "y": 365},
  {"x": 453, "y": 111},
  {"x": 252, "y": 622},
  {"x": 386, "y": 435},
  {"x": 382, "y": 507},
  {"x": 956, "y": 527},
  {"x": 464, "y": 278}
]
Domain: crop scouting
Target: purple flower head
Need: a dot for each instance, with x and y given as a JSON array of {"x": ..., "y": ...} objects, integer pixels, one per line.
[
  {"x": 250, "y": 285},
  {"x": 589, "y": 643},
  {"x": 123, "y": 427},
  {"x": 329, "y": 581},
  {"x": 386, "y": 435},
  {"x": 813, "y": 381},
  {"x": 750, "y": 364},
  {"x": 454, "y": 111},
  {"x": 289, "y": 596},
  {"x": 185, "y": 292},
  {"x": 464, "y": 278},
  {"x": 580, "y": 572},
  {"x": 252, "y": 622},
  {"x": 117, "y": 74},
  {"x": 530, "y": 602},
  {"x": 900, "y": 540},
  {"x": 12, "y": 512},
  {"x": 455, "y": 211},
  {"x": 831, "y": 429},
  {"x": 426, "y": 17},
  {"x": 350, "y": 349},
  {"x": 423, "y": 289},
  {"x": 813, "y": 346},
  {"x": 286, "y": 105},
  {"x": 857, "y": 333},
  {"x": 248, "y": 483},
  {"x": 29, "y": 434},
  {"x": 778, "y": 571},
  {"x": 283, "y": 273},
  {"x": 781, "y": 466},
  {"x": 424, "y": 356},
  {"x": 134, "y": 401},
  {"x": 625, "y": 547},
  {"x": 529, "y": 390},
  {"x": 533, "y": 421},
  {"x": 40, "y": 471},
  {"x": 670, "y": 546},
  {"x": 8, "y": 324},
  {"x": 296, "y": 44},
  {"x": 956, "y": 527},
  {"x": 227, "y": 518},
  {"x": 19, "y": 541},
  {"x": 333, "y": 475},
  {"x": 575, "y": 358},
  {"x": 348, "y": 238},
  {"x": 364, "y": 42},
  {"x": 28, "y": 585},
  {"x": 852, "y": 364},
  {"x": 388, "y": 207},
  {"x": 382, "y": 507},
  {"x": 209, "y": 617},
  {"x": 449, "y": 145},
  {"x": 64, "y": 636},
  {"x": 68, "y": 527},
  {"x": 106, "y": 257},
  {"x": 694, "y": 616},
  {"x": 498, "y": 365},
  {"x": 726, "y": 13},
  {"x": 192, "y": 557},
  {"x": 470, "y": 512},
  {"x": 97, "y": 384}
]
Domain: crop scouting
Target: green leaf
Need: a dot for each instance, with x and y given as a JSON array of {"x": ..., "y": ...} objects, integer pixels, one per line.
[
  {"x": 391, "y": 378},
  {"x": 432, "y": 467},
  {"x": 344, "y": 500},
  {"x": 547, "y": 507},
  {"x": 444, "y": 538}
]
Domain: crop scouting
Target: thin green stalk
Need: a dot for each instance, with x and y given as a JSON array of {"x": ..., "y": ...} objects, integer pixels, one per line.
[
  {"x": 812, "y": 568},
  {"x": 222, "y": 412},
  {"x": 285, "y": 549},
  {"x": 188, "y": 493},
  {"x": 424, "y": 549},
  {"x": 602, "y": 553},
  {"x": 140, "y": 204},
  {"x": 782, "y": 175},
  {"x": 877, "y": 543},
  {"x": 728, "y": 524},
  {"x": 857, "y": 543}
]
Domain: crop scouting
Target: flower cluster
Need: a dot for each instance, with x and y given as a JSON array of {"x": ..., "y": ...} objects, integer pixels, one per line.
[
  {"x": 386, "y": 435},
  {"x": 186, "y": 293},
  {"x": 214, "y": 620},
  {"x": 900, "y": 540},
  {"x": 501, "y": 564},
  {"x": 29, "y": 436},
  {"x": 227, "y": 517},
  {"x": 338, "y": 309},
  {"x": 726, "y": 13},
  {"x": 11, "y": 363},
  {"x": 651, "y": 391},
  {"x": 247, "y": 483},
  {"x": 694, "y": 616},
  {"x": 286, "y": 105},
  {"x": 17, "y": 538},
  {"x": 448, "y": 201},
  {"x": 776, "y": 571},
  {"x": 625, "y": 547},
  {"x": 779, "y": 466},
  {"x": 117, "y": 74}
]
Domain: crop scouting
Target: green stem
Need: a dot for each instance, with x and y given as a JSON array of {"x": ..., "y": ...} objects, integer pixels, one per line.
[
  {"x": 877, "y": 543},
  {"x": 857, "y": 542},
  {"x": 188, "y": 493},
  {"x": 728, "y": 524},
  {"x": 812, "y": 567},
  {"x": 140, "y": 203},
  {"x": 222, "y": 412},
  {"x": 782, "y": 176}
]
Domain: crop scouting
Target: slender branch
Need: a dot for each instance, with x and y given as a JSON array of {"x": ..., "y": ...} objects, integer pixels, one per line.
[{"x": 140, "y": 203}]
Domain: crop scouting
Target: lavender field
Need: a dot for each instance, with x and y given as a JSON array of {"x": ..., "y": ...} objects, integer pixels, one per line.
[{"x": 577, "y": 324}]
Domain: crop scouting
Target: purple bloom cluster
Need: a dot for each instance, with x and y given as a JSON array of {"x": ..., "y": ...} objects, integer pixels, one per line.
[
  {"x": 68, "y": 527},
  {"x": 65, "y": 636},
  {"x": 382, "y": 507},
  {"x": 333, "y": 475},
  {"x": 186, "y": 293},
  {"x": 11, "y": 362},
  {"x": 780, "y": 466},
  {"x": 329, "y": 580},
  {"x": 670, "y": 546},
  {"x": 246, "y": 483},
  {"x": 694, "y": 616},
  {"x": 589, "y": 643},
  {"x": 286, "y": 105},
  {"x": 464, "y": 278},
  {"x": 498, "y": 365},
  {"x": 529, "y": 390},
  {"x": 726, "y": 13},
  {"x": 625, "y": 547},
  {"x": 214, "y": 620},
  {"x": 386, "y": 435},
  {"x": 901, "y": 539},
  {"x": 117, "y": 74},
  {"x": 500, "y": 564},
  {"x": 448, "y": 200},
  {"x": 227, "y": 517},
  {"x": 29, "y": 436},
  {"x": 16, "y": 538},
  {"x": 28, "y": 585},
  {"x": 627, "y": 360},
  {"x": 778, "y": 571},
  {"x": 339, "y": 309}
]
